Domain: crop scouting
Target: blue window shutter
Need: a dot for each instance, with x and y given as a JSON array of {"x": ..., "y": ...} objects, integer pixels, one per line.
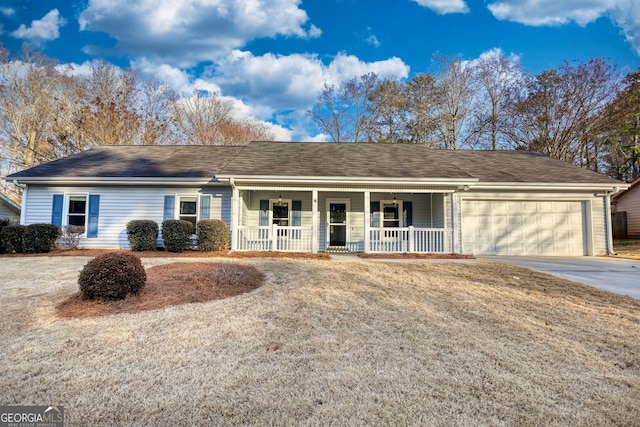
[
  {"x": 56, "y": 210},
  {"x": 264, "y": 213},
  {"x": 408, "y": 213},
  {"x": 94, "y": 211},
  {"x": 205, "y": 207},
  {"x": 296, "y": 213},
  {"x": 169, "y": 207},
  {"x": 375, "y": 214}
]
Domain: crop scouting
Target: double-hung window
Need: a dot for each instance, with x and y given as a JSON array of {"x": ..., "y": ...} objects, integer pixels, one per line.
[
  {"x": 188, "y": 206},
  {"x": 77, "y": 211}
]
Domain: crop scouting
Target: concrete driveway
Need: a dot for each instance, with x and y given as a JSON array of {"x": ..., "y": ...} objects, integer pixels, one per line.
[{"x": 612, "y": 274}]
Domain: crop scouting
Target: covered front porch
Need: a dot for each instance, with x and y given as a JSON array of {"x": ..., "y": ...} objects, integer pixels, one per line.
[{"x": 336, "y": 220}]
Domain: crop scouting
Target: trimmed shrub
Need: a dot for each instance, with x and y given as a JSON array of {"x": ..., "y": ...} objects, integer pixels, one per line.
[
  {"x": 213, "y": 235},
  {"x": 177, "y": 234},
  {"x": 40, "y": 238},
  {"x": 12, "y": 238},
  {"x": 112, "y": 276},
  {"x": 142, "y": 234},
  {"x": 70, "y": 237}
]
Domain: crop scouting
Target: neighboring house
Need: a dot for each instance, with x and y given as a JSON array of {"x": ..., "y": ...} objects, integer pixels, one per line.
[
  {"x": 324, "y": 197},
  {"x": 627, "y": 203},
  {"x": 9, "y": 209}
]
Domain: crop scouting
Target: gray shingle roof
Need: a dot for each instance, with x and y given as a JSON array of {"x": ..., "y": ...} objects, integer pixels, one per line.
[
  {"x": 294, "y": 159},
  {"x": 183, "y": 161}
]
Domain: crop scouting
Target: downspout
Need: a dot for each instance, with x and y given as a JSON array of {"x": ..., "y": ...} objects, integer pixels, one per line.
[{"x": 23, "y": 205}]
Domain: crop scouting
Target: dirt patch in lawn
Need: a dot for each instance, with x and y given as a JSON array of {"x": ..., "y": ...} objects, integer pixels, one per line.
[{"x": 172, "y": 284}]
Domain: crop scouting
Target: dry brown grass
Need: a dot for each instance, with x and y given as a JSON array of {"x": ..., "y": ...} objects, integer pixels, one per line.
[
  {"x": 330, "y": 343},
  {"x": 161, "y": 253},
  {"x": 627, "y": 248},
  {"x": 172, "y": 284}
]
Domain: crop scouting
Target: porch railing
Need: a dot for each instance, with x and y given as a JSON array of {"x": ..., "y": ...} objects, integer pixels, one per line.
[
  {"x": 275, "y": 238},
  {"x": 410, "y": 240}
]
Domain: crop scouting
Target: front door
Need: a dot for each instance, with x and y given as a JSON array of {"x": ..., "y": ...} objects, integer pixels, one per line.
[{"x": 337, "y": 216}]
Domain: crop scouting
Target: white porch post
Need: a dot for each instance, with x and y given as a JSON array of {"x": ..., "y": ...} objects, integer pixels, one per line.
[
  {"x": 235, "y": 215},
  {"x": 315, "y": 220},
  {"x": 367, "y": 220},
  {"x": 609, "y": 225},
  {"x": 454, "y": 223}
]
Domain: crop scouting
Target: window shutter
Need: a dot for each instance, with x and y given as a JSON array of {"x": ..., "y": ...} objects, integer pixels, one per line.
[
  {"x": 296, "y": 213},
  {"x": 407, "y": 214},
  {"x": 169, "y": 207},
  {"x": 264, "y": 213},
  {"x": 375, "y": 214},
  {"x": 92, "y": 220},
  {"x": 56, "y": 210},
  {"x": 205, "y": 207}
]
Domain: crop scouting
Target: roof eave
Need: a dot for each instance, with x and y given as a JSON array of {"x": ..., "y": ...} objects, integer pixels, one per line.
[
  {"x": 115, "y": 180},
  {"x": 270, "y": 179},
  {"x": 613, "y": 187}
]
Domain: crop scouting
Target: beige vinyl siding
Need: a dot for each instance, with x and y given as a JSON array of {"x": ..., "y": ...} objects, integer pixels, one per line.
[
  {"x": 630, "y": 203},
  {"x": 119, "y": 205}
]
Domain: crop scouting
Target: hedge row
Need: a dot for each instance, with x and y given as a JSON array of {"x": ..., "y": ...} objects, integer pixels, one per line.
[
  {"x": 35, "y": 238},
  {"x": 212, "y": 235}
]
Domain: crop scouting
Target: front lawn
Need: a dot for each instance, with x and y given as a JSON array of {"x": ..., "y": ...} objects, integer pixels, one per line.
[{"x": 329, "y": 343}]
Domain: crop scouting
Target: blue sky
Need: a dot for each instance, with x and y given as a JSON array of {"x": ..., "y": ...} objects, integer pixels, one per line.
[{"x": 270, "y": 58}]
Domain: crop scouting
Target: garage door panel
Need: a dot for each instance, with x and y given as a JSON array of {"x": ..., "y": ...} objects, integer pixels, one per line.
[{"x": 522, "y": 227}]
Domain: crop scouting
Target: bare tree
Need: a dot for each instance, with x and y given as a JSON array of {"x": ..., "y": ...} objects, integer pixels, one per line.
[
  {"x": 498, "y": 78},
  {"x": 456, "y": 88},
  {"x": 561, "y": 111},
  {"x": 344, "y": 112},
  {"x": 389, "y": 109},
  {"x": 205, "y": 119},
  {"x": 110, "y": 116},
  {"x": 422, "y": 100},
  {"x": 621, "y": 130}
]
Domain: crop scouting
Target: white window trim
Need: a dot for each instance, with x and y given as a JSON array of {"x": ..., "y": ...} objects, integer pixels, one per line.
[
  {"x": 65, "y": 209},
  {"x": 347, "y": 202},
  {"x": 273, "y": 202},
  {"x": 177, "y": 205},
  {"x": 400, "y": 212}
]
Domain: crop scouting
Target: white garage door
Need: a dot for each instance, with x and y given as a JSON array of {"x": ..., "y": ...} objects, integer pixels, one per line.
[{"x": 492, "y": 227}]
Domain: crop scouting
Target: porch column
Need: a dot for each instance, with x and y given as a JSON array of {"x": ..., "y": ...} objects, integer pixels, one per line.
[
  {"x": 315, "y": 220},
  {"x": 367, "y": 220},
  {"x": 454, "y": 223},
  {"x": 235, "y": 216}
]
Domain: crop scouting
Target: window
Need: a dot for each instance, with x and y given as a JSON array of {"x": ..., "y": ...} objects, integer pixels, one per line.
[
  {"x": 281, "y": 213},
  {"x": 391, "y": 217},
  {"x": 77, "y": 211},
  {"x": 189, "y": 209}
]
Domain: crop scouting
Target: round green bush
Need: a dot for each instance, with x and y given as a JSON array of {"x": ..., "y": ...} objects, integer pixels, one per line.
[
  {"x": 12, "y": 239},
  {"x": 213, "y": 235},
  {"x": 176, "y": 234},
  {"x": 112, "y": 276},
  {"x": 142, "y": 234},
  {"x": 40, "y": 238}
]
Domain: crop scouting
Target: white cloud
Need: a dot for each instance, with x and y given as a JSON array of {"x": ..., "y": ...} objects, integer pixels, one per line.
[
  {"x": 188, "y": 32},
  {"x": 276, "y": 89},
  {"x": 372, "y": 39},
  {"x": 626, "y": 15},
  {"x": 445, "y": 6},
  {"x": 47, "y": 28},
  {"x": 623, "y": 13},
  {"x": 550, "y": 12}
]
